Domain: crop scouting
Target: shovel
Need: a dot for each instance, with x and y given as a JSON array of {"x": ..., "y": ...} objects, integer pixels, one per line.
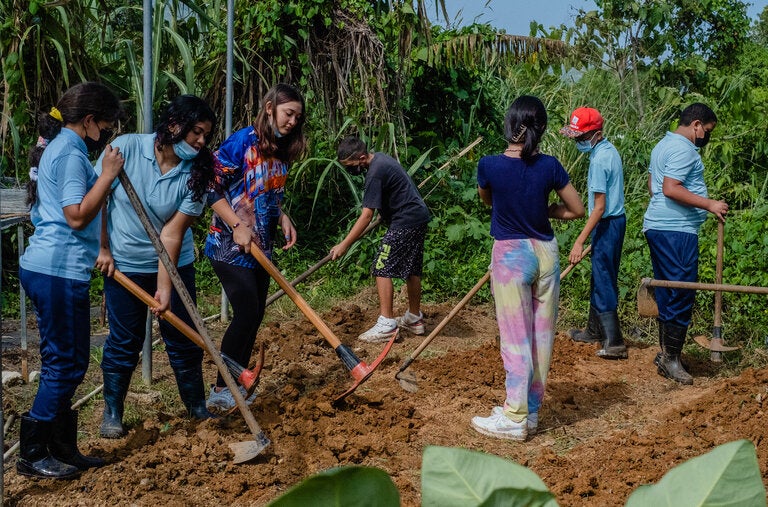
[
  {"x": 244, "y": 451},
  {"x": 358, "y": 369},
  {"x": 716, "y": 346},
  {"x": 247, "y": 378},
  {"x": 407, "y": 380}
]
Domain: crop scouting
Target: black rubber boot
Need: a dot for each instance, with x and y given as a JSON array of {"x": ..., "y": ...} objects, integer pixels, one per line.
[
  {"x": 34, "y": 458},
  {"x": 115, "y": 389},
  {"x": 192, "y": 391},
  {"x": 63, "y": 444},
  {"x": 591, "y": 333},
  {"x": 672, "y": 339},
  {"x": 613, "y": 344}
]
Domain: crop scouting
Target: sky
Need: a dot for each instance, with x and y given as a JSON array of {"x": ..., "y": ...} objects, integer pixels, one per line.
[{"x": 515, "y": 16}]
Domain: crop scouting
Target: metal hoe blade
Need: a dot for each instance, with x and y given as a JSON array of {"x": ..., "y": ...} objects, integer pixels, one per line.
[{"x": 362, "y": 372}]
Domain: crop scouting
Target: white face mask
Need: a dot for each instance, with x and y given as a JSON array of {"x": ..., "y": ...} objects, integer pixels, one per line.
[{"x": 184, "y": 151}]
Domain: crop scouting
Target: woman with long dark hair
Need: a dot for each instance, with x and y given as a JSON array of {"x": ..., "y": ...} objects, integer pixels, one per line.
[
  {"x": 55, "y": 270},
  {"x": 525, "y": 267},
  {"x": 171, "y": 171},
  {"x": 251, "y": 171}
]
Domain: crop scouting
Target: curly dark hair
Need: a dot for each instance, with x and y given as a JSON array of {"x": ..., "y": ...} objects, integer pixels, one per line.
[
  {"x": 77, "y": 102},
  {"x": 287, "y": 148},
  {"x": 179, "y": 117}
]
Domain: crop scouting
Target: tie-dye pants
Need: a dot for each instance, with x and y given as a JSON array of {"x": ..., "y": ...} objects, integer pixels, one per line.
[{"x": 525, "y": 276}]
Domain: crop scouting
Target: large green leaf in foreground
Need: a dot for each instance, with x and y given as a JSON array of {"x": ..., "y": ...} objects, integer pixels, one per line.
[
  {"x": 728, "y": 475},
  {"x": 342, "y": 487},
  {"x": 463, "y": 478}
]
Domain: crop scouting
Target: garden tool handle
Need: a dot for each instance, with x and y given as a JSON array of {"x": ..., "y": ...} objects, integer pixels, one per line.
[
  {"x": 719, "y": 272},
  {"x": 570, "y": 266},
  {"x": 168, "y": 315},
  {"x": 717, "y": 327},
  {"x": 292, "y": 293},
  {"x": 185, "y": 297},
  {"x": 319, "y": 264}
]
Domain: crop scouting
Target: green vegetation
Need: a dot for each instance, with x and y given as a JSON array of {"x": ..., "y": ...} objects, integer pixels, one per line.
[
  {"x": 422, "y": 93},
  {"x": 727, "y": 475}
]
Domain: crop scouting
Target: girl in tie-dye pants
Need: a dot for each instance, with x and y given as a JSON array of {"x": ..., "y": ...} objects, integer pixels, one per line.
[
  {"x": 525, "y": 270},
  {"x": 525, "y": 274}
]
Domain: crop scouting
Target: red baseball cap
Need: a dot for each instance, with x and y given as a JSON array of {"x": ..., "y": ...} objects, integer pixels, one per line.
[{"x": 583, "y": 119}]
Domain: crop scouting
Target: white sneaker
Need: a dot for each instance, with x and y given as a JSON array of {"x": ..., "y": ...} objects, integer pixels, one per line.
[
  {"x": 411, "y": 322},
  {"x": 500, "y": 426},
  {"x": 382, "y": 331},
  {"x": 532, "y": 421},
  {"x": 223, "y": 401}
]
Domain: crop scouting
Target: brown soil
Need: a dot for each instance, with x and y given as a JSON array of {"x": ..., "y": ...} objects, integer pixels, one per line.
[{"x": 606, "y": 427}]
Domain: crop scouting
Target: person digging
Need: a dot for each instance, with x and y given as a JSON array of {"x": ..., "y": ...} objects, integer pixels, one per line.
[{"x": 389, "y": 189}]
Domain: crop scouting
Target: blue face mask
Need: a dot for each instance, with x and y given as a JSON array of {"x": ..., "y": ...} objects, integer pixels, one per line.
[
  {"x": 584, "y": 146},
  {"x": 184, "y": 151}
]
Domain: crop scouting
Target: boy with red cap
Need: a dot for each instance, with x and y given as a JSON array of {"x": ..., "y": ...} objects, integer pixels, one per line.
[{"x": 605, "y": 227}]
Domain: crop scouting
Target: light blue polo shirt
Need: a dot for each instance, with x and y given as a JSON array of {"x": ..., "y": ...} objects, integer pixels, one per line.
[
  {"x": 678, "y": 158},
  {"x": 161, "y": 194},
  {"x": 606, "y": 176},
  {"x": 64, "y": 176}
]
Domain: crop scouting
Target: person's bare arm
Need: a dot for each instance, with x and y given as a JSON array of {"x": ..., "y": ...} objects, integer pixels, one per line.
[
  {"x": 485, "y": 195},
  {"x": 172, "y": 237},
  {"x": 571, "y": 206},
  {"x": 357, "y": 230},
  {"x": 577, "y": 252},
  {"x": 78, "y": 216},
  {"x": 675, "y": 190},
  {"x": 241, "y": 233},
  {"x": 105, "y": 262}
]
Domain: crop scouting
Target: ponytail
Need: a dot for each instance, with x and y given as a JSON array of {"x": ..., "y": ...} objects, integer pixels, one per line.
[{"x": 77, "y": 102}]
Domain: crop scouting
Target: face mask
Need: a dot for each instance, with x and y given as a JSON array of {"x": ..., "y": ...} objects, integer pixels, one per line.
[
  {"x": 184, "y": 151},
  {"x": 98, "y": 145},
  {"x": 584, "y": 146},
  {"x": 278, "y": 135},
  {"x": 701, "y": 142},
  {"x": 354, "y": 170}
]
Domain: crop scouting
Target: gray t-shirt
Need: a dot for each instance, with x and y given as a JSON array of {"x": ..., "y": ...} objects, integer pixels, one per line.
[{"x": 389, "y": 189}]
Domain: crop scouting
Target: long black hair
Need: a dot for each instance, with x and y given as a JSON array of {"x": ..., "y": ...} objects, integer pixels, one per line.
[
  {"x": 178, "y": 118},
  {"x": 77, "y": 102},
  {"x": 292, "y": 146},
  {"x": 525, "y": 122}
]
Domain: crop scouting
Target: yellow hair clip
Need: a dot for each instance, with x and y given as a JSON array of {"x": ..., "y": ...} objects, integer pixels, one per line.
[{"x": 56, "y": 114}]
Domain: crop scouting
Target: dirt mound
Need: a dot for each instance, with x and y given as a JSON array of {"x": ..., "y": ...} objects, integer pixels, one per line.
[{"x": 606, "y": 427}]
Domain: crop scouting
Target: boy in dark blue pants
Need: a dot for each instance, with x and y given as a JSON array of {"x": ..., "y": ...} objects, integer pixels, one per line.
[{"x": 605, "y": 226}]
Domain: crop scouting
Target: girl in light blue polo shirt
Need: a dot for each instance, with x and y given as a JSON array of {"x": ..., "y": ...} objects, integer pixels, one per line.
[
  {"x": 66, "y": 197},
  {"x": 171, "y": 171}
]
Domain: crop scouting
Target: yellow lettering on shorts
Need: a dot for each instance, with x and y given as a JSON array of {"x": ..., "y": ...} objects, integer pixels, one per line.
[{"x": 383, "y": 256}]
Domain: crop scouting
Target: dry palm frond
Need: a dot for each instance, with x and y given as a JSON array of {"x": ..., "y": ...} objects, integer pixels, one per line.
[{"x": 479, "y": 50}]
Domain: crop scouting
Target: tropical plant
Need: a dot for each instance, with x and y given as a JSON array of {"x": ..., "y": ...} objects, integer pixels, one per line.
[{"x": 727, "y": 475}]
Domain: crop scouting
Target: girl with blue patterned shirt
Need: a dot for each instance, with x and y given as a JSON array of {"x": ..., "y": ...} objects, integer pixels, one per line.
[{"x": 251, "y": 168}]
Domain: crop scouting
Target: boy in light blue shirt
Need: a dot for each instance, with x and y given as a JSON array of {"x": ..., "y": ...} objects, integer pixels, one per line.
[
  {"x": 605, "y": 226},
  {"x": 679, "y": 204}
]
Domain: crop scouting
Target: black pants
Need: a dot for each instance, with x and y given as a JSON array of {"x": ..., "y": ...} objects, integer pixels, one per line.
[{"x": 246, "y": 289}]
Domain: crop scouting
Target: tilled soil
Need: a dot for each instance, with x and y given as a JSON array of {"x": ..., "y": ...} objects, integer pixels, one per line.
[{"x": 606, "y": 427}]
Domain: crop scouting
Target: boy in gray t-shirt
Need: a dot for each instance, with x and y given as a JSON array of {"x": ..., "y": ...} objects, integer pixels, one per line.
[{"x": 389, "y": 189}]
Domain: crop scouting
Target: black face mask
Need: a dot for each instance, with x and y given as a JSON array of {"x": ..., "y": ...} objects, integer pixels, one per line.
[
  {"x": 98, "y": 145},
  {"x": 701, "y": 142},
  {"x": 354, "y": 170}
]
